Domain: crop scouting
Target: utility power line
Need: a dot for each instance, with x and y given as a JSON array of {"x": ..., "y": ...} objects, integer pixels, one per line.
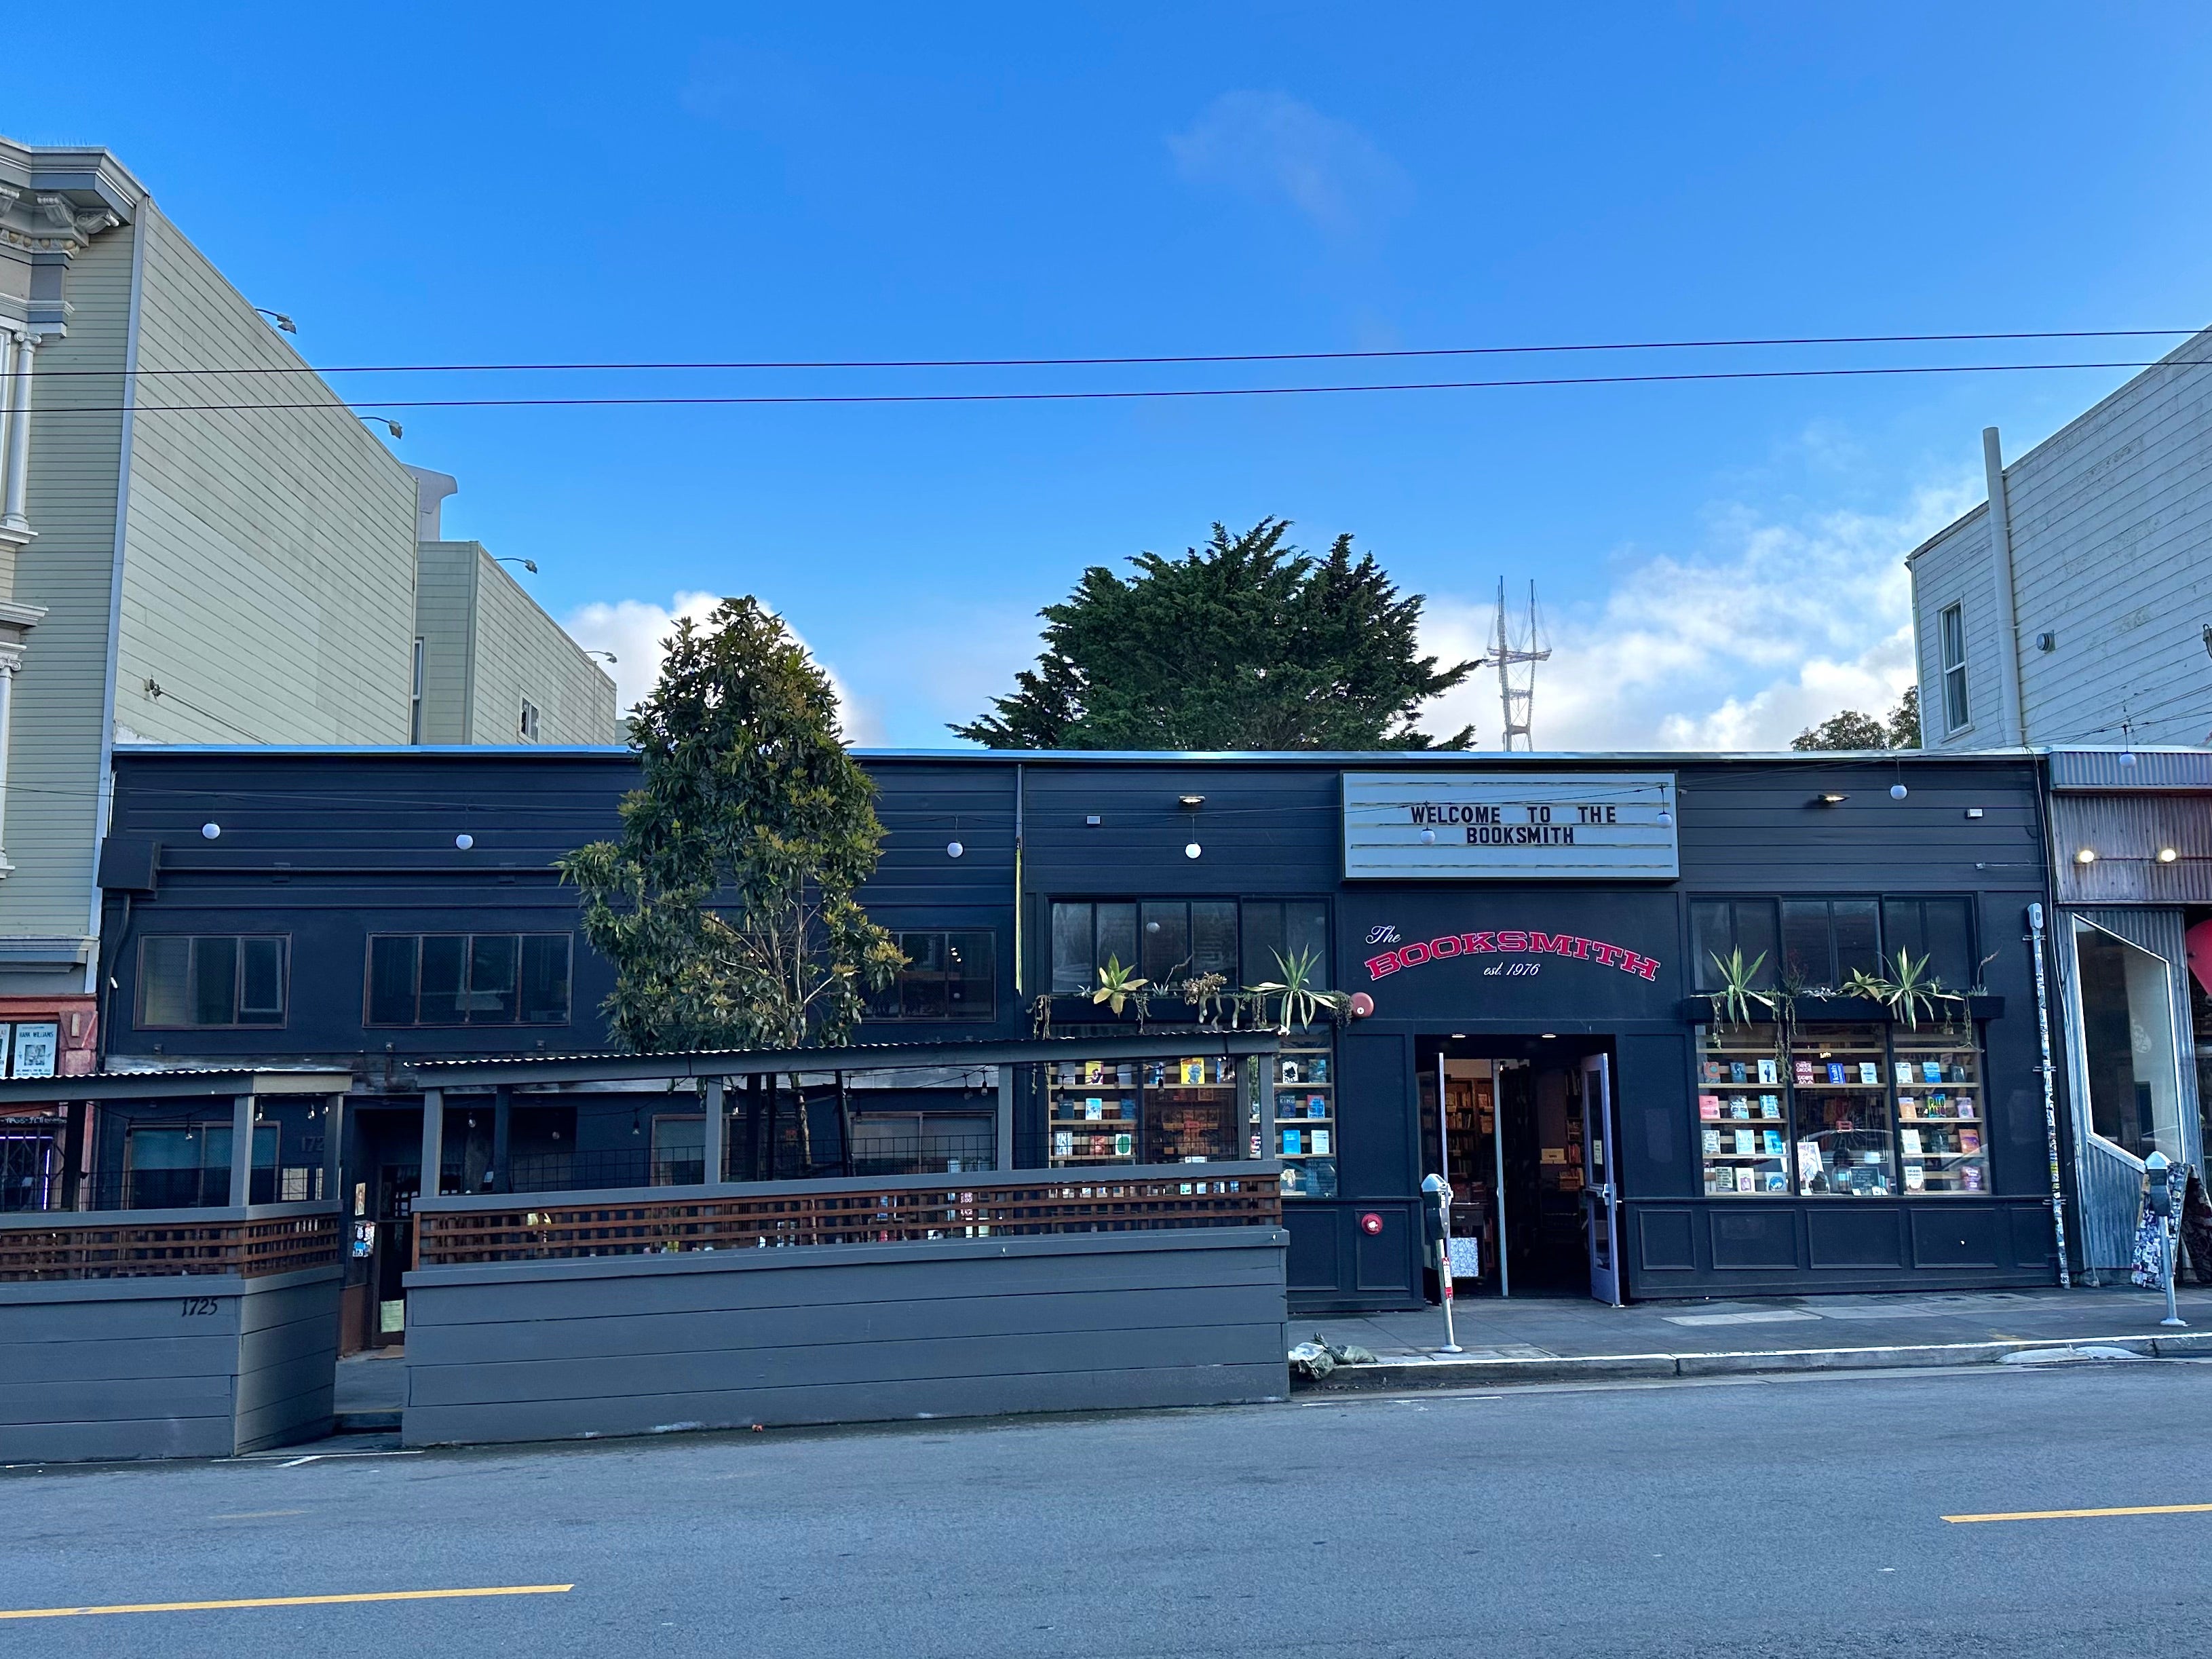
[
  {"x": 1149, "y": 361},
  {"x": 1104, "y": 395}
]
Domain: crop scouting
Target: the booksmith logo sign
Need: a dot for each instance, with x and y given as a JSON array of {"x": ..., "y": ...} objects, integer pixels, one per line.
[{"x": 1510, "y": 942}]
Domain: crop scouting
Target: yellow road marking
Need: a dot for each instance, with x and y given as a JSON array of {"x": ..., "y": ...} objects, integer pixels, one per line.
[
  {"x": 2077, "y": 1514},
  {"x": 287, "y": 1601}
]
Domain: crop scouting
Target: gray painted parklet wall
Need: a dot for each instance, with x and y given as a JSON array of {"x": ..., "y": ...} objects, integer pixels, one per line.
[
  {"x": 844, "y": 1333},
  {"x": 181, "y": 1365}
]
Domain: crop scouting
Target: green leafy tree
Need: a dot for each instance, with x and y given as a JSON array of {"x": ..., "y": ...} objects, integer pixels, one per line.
[
  {"x": 726, "y": 906},
  {"x": 1853, "y": 729},
  {"x": 1244, "y": 643}
]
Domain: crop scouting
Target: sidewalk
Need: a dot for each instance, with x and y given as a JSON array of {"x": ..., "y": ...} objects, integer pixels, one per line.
[{"x": 1540, "y": 1339}]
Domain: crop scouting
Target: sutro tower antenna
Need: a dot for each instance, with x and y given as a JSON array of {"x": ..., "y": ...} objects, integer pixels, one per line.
[{"x": 1517, "y": 701}]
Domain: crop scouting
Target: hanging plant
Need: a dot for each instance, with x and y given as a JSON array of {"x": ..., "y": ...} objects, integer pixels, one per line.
[
  {"x": 1734, "y": 1001},
  {"x": 1117, "y": 986},
  {"x": 1202, "y": 993},
  {"x": 1301, "y": 1004}
]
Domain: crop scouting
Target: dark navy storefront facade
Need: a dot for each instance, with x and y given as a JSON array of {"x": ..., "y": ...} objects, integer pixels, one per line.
[{"x": 326, "y": 849}]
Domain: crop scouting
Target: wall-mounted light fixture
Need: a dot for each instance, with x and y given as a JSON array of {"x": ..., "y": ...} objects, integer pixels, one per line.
[
  {"x": 211, "y": 830},
  {"x": 1973, "y": 812},
  {"x": 465, "y": 841},
  {"x": 1428, "y": 838},
  {"x": 1898, "y": 791},
  {"x": 2167, "y": 855},
  {"x": 2047, "y": 642},
  {"x": 1093, "y": 820},
  {"x": 2086, "y": 855},
  {"x": 953, "y": 849},
  {"x": 284, "y": 325},
  {"x": 1830, "y": 798},
  {"x": 387, "y": 423},
  {"x": 1190, "y": 803},
  {"x": 1191, "y": 850}
]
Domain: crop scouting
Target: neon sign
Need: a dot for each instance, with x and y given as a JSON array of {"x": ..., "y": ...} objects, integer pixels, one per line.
[{"x": 1511, "y": 942}]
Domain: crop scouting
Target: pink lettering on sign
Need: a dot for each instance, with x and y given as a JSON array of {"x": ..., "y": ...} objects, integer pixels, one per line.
[{"x": 1513, "y": 942}]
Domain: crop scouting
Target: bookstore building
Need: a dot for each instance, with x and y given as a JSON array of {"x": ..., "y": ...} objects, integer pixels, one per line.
[{"x": 1666, "y": 1025}]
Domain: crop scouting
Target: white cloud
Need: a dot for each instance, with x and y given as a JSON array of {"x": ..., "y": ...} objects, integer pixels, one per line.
[
  {"x": 636, "y": 631},
  {"x": 1772, "y": 628},
  {"x": 1269, "y": 145}
]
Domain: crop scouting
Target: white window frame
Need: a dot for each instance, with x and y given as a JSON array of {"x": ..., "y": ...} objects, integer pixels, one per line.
[{"x": 1951, "y": 653}]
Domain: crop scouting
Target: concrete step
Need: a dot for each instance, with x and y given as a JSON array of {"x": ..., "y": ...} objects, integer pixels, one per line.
[{"x": 364, "y": 1422}]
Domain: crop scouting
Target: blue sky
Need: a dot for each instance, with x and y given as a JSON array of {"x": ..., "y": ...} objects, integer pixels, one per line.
[{"x": 1718, "y": 563}]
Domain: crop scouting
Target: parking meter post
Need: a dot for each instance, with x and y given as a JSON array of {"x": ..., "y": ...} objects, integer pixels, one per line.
[
  {"x": 1436, "y": 1221},
  {"x": 2160, "y": 1173}
]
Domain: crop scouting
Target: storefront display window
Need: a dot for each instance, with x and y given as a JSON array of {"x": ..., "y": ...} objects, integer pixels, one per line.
[
  {"x": 1305, "y": 1114},
  {"x": 1743, "y": 1114},
  {"x": 1148, "y": 1111},
  {"x": 1849, "y": 1110},
  {"x": 1942, "y": 1112},
  {"x": 2128, "y": 1043},
  {"x": 1844, "y": 1136}
]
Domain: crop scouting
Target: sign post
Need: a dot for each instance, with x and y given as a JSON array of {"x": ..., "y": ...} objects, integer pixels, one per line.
[{"x": 1436, "y": 1214}]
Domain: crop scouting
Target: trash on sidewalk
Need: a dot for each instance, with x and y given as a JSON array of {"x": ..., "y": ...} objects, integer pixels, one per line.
[{"x": 1318, "y": 1357}]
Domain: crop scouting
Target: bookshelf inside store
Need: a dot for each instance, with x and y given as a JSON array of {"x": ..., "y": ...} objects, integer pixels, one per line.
[
  {"x": 1846, "y": 1109},
  {"x": 1305, "y": 1114},
  {"x": 1103, "y": 1112},
  {"x": 1839, "y": 1074},
  {"x": 1941, "y": 1125},
  {"x": 1743, "y": 1112}
]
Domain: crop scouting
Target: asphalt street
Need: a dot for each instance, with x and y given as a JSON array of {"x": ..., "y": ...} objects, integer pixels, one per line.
[{"x": 1781, "y": 1517}]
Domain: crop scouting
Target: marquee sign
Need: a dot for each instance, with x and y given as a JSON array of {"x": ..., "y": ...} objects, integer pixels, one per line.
[
  {"x": 1509, "y": 826},
  {"x": 1507, "y": 941}
]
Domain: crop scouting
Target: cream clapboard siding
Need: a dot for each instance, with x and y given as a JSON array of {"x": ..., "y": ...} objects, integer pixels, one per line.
[
  {"x": 2112, "y": 532},
  {"x": 520, "y": 651},
  {"x": 1955, "y": 568},
  {"x": 445, "y": 622},
  {"x": 269, "y": 554},
  {"x": 55, "y": 751}
]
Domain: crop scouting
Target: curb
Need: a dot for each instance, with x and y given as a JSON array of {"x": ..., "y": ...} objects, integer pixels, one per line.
[{"x": 1449, "y": 1373}]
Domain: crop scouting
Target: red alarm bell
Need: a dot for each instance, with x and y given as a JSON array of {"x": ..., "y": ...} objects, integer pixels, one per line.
[{"x": 1371, "y": 1224}]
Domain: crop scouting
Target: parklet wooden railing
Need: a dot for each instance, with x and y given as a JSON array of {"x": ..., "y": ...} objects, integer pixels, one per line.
[
  {"x": 459, "y": 1231},
  {"x": 144, "y": 1244}
]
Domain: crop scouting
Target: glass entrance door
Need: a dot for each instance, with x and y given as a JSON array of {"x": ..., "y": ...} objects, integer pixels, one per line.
[{"x": 1600, "y": 1187}]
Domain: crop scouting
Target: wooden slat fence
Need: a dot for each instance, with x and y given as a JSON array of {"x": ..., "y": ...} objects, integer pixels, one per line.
[
  {"x": 1007, "y": 1208},
  {"x": 117, "y": 1248}
]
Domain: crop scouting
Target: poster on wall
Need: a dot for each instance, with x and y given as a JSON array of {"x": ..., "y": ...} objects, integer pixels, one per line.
[
  {"x": 33, "y": 1050},
  {"x": 1509, "y": 826}
]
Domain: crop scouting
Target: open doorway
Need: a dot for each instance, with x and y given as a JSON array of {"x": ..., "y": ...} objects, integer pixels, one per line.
[{"x": 1509, "y": 1123}]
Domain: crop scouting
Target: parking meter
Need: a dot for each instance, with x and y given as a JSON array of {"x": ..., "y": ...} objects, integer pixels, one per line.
[
  {"x": 2161, "y": 1195},
  {"x": 1436, "y": 1226},
  {"x": 2159, "y": 1171}
]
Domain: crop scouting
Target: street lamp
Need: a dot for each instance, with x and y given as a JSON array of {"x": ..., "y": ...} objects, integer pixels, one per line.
[
  {"x": 530, "y": 565},
  {"x": 593, "y": 651},
  {"x": 386, "y": 422},
  {"x": 284, "y": 325}
]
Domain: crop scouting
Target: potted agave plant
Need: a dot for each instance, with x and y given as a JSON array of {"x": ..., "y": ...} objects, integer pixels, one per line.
[
  {"x": 1734, "y": 1002},
  {"x": 1300, "y": 1003},
  {"x": 1907, "y": 991},
  {"x": 1118, "y": 987}
]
